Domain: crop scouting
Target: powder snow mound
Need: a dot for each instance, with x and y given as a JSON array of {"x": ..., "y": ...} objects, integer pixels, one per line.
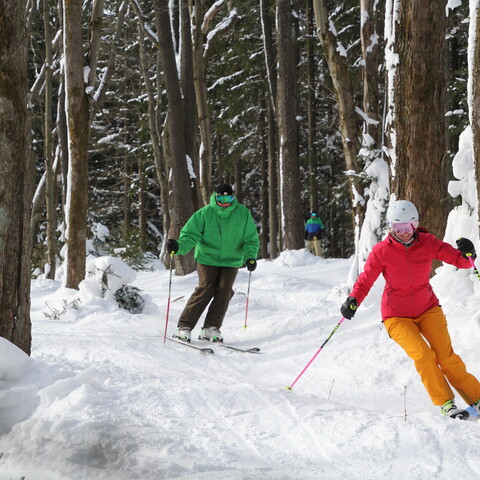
[
  {"x": 297, "y": 258},
  {"x": 14, "y": 363}
]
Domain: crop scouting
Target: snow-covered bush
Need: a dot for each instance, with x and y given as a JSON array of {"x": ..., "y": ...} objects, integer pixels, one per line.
[{"x": 109, "y": 278}]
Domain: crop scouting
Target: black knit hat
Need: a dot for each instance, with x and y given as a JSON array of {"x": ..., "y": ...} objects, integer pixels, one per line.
[{"x": 224, "y": 189}]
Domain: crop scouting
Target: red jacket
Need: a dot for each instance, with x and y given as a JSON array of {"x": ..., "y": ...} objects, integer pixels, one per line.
[{"x": 406, "y": 270}]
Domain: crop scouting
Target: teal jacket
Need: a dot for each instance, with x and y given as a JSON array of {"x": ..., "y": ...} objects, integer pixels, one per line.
[{"x": 222, "y": 237}]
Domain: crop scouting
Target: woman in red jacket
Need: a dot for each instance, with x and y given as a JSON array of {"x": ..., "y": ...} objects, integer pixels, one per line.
[{"x": 410, "y": 309}]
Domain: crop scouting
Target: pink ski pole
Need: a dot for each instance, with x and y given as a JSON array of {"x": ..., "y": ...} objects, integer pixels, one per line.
[{"x": 315, "y": 356}]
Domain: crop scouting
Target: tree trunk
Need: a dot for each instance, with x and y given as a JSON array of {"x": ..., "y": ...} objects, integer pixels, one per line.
[
  {"x": 342, "y": 84},
  {"x": 264, "y": 185},
  {"x": 181, "y": 199},
  {"x": 371, "y": 50},
  {"x": 419, "y": 172},
  {"x": 200, "y": 82},
  {"x": 188, "y": 92},
  {"x": 48, "y": 149},
  {"x": 271, "y": 72},
  {"x": 16, "y": 181},
  {"x": 474, "y": 76},
  {"x": 268, "y": 50},
  {"x": 292, "y": 215},
  {"x": 154, "y": 130},
  {"x": 78, "y": 135},
  {"x": 311, "y": 111},
  {"x": 142, "y": 204},
  {"x": 126, "y": 181},
  {"x": 272, "y": 183}
]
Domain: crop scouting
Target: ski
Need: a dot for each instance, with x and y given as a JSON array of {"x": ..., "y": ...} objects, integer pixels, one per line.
[
  {"x": 239, "y": 349},
  {"x": 205, "y": 350},
  {"x": 472, "y": 413}
]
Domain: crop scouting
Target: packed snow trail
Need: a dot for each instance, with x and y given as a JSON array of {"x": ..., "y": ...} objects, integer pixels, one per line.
[{"x": 103, "y": 397}]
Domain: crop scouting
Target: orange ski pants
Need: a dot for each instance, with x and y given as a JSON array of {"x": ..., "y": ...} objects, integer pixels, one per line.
[{"x": 427, "y": 342}]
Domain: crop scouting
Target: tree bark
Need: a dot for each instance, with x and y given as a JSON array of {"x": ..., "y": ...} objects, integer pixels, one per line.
[
  {"x": 48, "y": 149},
  {"x": 342, "y": 84},
  {"x": 16, "y": 181},
  {"x": 371, "y": 49},
  {"x": 200, "y": 82},
  {"x": 292, "y": 215},
  {"x": 474, "y": 76},
  {"x": 419, "y": 97},
  {"x": 155, "y": 131},
  {"x": 181, "y": 199},
  {"x": 188, "y": 92},
  {"x": 78, "y": 135},
  {"x": 311, "y": 111},
  {"x": 271, "y": 72}
]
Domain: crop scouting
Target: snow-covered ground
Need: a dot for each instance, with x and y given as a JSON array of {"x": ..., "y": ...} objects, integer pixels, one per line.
[{"x": 103, "y": 397}]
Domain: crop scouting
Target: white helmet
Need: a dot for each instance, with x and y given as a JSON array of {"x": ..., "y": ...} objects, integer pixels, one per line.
[{"x": 402, "y": 211}]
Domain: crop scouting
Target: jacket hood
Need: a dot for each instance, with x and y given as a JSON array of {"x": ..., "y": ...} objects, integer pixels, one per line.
[{"x": 224, "y": 211}]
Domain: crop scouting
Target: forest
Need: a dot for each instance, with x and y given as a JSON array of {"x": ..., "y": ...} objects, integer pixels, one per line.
[{"x": 119, "y": 117}]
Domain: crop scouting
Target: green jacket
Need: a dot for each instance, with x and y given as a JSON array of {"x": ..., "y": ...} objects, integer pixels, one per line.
[{"x": 222, "y": 237}]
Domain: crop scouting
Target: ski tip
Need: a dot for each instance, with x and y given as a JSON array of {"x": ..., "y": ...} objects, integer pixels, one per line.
[{"x": 289, "y": 389}]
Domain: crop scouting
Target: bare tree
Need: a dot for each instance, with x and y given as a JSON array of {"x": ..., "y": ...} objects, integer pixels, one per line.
[{"x": 16, "y": 183}]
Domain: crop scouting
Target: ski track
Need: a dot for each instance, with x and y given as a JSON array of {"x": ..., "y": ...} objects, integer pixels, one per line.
[{"x": 229, "y": 416}]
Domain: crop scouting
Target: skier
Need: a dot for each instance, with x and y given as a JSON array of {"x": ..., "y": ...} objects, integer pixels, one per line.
[
  {"x": 225, "y": 238},
  {"x": 410, "y": 310},
  {"x": 313, "y": 231}
]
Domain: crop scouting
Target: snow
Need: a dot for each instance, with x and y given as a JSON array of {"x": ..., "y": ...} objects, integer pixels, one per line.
[{"x": 103, "y": 397}]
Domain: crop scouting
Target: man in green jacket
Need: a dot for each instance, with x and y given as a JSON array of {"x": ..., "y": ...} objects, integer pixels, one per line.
[{"x": 225, "y": 238}]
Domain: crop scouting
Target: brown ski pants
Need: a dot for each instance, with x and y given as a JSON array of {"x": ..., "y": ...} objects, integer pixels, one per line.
[{"x": 215, "y": 285}]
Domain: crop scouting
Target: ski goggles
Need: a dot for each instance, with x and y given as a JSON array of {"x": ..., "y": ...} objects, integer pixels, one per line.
[
  {"x": 404, "y": 227},
  {"x": 225, "y": 198}
]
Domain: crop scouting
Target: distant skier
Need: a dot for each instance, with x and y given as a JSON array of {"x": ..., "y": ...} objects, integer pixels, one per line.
[
  {"x": 225, "y": 238},
  {"x": 313, "y": 231},
  {"x": 410, "y": 310}
]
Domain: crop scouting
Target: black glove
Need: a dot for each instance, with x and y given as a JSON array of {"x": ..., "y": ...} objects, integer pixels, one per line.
[
  {"x": 349, "y": 308},
  {"x": 466, "y": 248},
  {"x": 251, "y": 264},
  {"x": 172, "y": 246}
]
